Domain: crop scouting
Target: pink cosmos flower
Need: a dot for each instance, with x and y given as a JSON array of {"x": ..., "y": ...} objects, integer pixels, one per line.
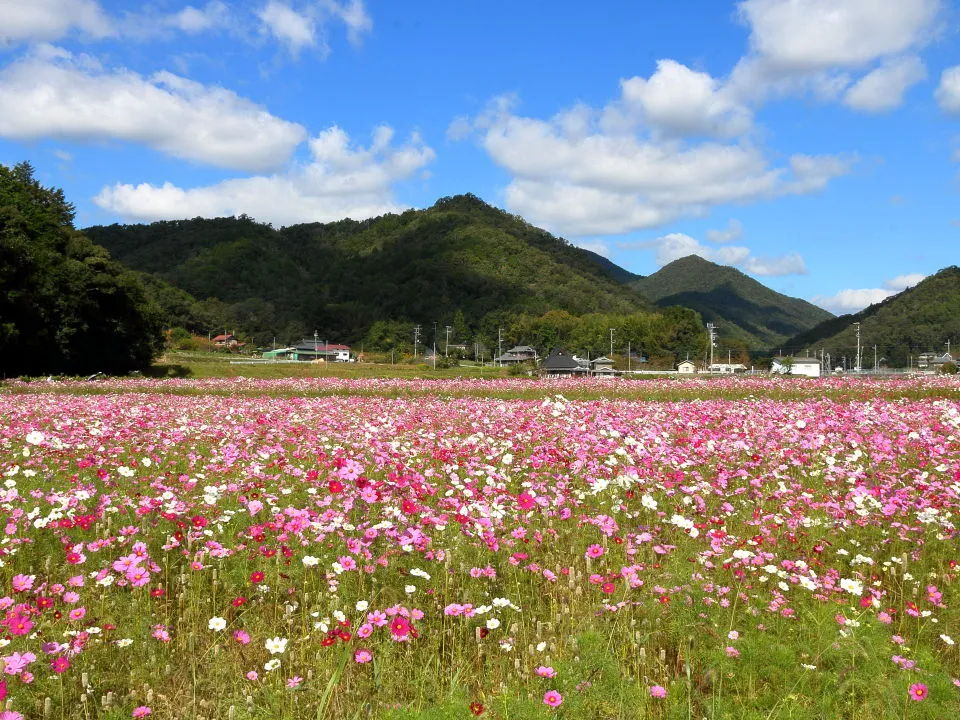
[
  {"x": 546, "y": 671},
  {"x": 364, "y": 631},
  {"x": 22, "y": 583},
  {"x": 552, "y": 698},
  {"x": 658, "y": 691},
  {"x": 732, "y": 652},
  {"x": 362, "y": 655},
  {"x": 241, "y": 636},
  {"x": 10, "y": 715},
  {"x": 141, "y": 712},
  {"x": 252, "y": 676},
  {"x": 918, "y": 692},
  {"x": 294, "y": 682},
  {"x": 59, "y": 664},
  {"x": 78, "y": 613},
  {"x": 594, "y": 551}
]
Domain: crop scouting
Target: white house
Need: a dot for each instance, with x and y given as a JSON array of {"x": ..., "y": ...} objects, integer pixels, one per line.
[
  {"x": 807, "y": 366},
  {"x": 728, "y": 368},
  {"x": 686, "y": 367}
]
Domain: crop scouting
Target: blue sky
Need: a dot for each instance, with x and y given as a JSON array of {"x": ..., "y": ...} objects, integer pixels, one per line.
[{"x": 813, "y": 144}]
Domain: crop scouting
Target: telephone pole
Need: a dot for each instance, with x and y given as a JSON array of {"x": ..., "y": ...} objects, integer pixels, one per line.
[
  {"x": 711, "y": 328},
  {"x": 416, "y": 339},
  {"x": 446, "y": 348},
  {"x": 611, "y": 343},
  {"x": 856, "y": 364},
  {"x": 499, "y": 346}
]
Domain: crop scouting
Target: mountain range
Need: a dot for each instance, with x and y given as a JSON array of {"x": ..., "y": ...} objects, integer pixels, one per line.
[
  {"x": 920, "y": 319},
  {"x": 460, "y": 261}
]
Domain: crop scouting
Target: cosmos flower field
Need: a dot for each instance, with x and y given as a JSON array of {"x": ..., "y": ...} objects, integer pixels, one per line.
[{"x": 504, "y": 548}]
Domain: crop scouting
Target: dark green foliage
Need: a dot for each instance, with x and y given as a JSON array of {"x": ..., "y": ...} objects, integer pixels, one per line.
[
  {"x": 919, "y": 319},
  {"x": 461, "y": 263},
  {"x": 745, "y": 310},
  {"x": 65, "y": 306}
]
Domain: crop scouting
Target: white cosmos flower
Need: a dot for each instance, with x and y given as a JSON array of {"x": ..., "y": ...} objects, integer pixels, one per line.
[
  {"x": 310, "y": 561},
  {"x": 276, "y": 645},
  {"x": 493, "y": 624},
  {"x": 854, "y": 587},
  {"x": 217, "y": 624},
  {"x": 272, "y": 664},
  {"x": 947, "y": 639}
]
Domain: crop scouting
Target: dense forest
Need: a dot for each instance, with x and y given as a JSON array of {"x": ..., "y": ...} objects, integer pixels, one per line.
[
  {"x": 65, "y": 306},
  {"x": 461, "y": 263},
  {"x": 919, "y": 319},
  {"x": 747, "y": 313}
]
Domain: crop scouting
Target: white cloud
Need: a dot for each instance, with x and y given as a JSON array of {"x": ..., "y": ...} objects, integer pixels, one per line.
[
  {"x": 293, "y": 29},
  {"x": 46, "y": 20},
  {"x": 192, "y": 20},
  {"x": 578, "y": 175},
  {"x": 678, "y": 245},
  {"x": 884, "y": 88},
  {"x": 854, "y": 300},
  {"x": 902, "y": 282},
  {"x": 851, "y": 301},
  {"x": 733, "y": 231},
  {"x": 55, "y": 94},
  {"x": 341, "y": 180},
  {"x": 599, "y": 248},
  {"x": 354, "y": 15},
  {"x": 681, "y": 101},
  {"x": 948, "y": 92},
  {"x": 810, "y": 35},
  {"x": 790, "y": 264}
]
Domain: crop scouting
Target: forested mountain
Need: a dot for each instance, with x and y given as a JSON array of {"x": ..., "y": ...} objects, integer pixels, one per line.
[
  {"x": 460, "y": 258},
  {"x": 919, "y": 319},
  {"x": 745, "y": 311},
  {"x": 65, "y": 306}
]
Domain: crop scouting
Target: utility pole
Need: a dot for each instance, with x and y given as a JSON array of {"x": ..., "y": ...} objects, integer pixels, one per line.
[
  {"x": 416, "y": 339},
  {"x": 628, "y": 356},
  {"x": 611, "y": 343},
  {"x": 446, "y": 348},
  {"x": 499, "y": 346},
  {"x": 875, "y": 366},
  {"x": 711, "y": 328},
  {"x": 948, "y": 348},
  {"x": 316, "y": 346},
  {"x": 434, "y": 344},
  {"x": 856, "y": 364}
]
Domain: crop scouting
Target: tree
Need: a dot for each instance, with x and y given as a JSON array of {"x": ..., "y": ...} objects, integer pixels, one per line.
[{"x": 66, "y": 307}]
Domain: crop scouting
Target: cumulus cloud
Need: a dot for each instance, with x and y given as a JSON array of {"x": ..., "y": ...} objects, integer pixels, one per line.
[
  {"x": 53, "y": 93},
  {"x": 298, "y": 29},
  {"x": 678, "y": 245},
  {"x": 354, "y": 15},
  {"x": 294, "y": 29},
  {"x": 680, "y": 101},
  {"x": 948, "y": 92},
  {"x": 810, "y": 35},
  {"x": 902, "y": 282},
  {"x": 578, "y": 175},
  {"x": 733, "y": 231},
  {"x": 851, "y": 301},
  {"x": 340, "y": 180},
  {"x": 814, "y": 46},
  {"x": 47, "y": 20},
  {"x": 855, "y": 300},
  {"x": 884, "y": 88}
]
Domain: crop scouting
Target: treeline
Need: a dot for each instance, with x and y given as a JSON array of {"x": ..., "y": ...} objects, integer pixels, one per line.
[
  {"x": 65, "y": 306},
  {"x": 662, "y": 337}
]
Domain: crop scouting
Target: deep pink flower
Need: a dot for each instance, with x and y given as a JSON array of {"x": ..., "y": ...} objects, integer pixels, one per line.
[
  {"x": 918, "y": 692},
  {"x": 658, "y": 691},
  {"x": 552, "y": 698},
  {"x": 141, "y": 712}
]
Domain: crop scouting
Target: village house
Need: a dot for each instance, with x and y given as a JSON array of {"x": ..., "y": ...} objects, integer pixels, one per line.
[
  {"x": 806, "y": 366},
  {"x": 309, "y": 349},
  {"x": 728, "y": 368},
  {"x": 518, "y": 354},
  {"x": 560, "y": 362},
  {"x": 602, "y": 367},
  {"x": 687, "y": 367}
]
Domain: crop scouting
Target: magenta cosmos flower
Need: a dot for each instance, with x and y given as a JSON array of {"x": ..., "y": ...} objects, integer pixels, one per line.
[
  {"x": 658, "y": 691},
  {"x": 918, "y": 692},
  {"x": 552, "y": 698}
]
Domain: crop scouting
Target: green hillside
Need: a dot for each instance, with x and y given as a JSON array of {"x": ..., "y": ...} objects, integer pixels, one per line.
[
  {"x": 919, "y": 319},
  {"x": 745, "y": 310},
  {"x": 460, "y": 260}
]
